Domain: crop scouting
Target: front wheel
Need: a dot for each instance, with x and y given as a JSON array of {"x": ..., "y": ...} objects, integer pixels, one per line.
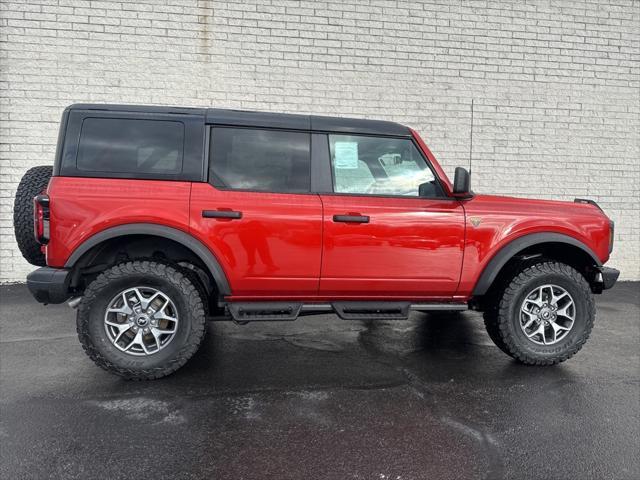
[
  {"x": 141, "y": 320},
  {"x": 545, "y": 314}
]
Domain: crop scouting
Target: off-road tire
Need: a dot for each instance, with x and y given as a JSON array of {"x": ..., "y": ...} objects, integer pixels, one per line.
[
  {"x": 503, "y": 322},
  {"x": 33, "y": 183},
  {"x": 491, "y": 325},
  {"x": 166, "y": 277}
]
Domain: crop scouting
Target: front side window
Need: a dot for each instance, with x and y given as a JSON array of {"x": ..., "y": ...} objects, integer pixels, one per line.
[
  {"x": 116, "y": 145},
  {"x": 260, "y": 160},
  {"x": 379, "y": 166}
]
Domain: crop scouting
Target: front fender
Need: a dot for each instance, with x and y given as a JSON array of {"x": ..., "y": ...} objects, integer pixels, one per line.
[{"x": 504, "y": 254}]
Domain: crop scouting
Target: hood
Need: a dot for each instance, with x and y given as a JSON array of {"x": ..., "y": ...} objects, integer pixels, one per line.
[{"x": 537, "y": 207}]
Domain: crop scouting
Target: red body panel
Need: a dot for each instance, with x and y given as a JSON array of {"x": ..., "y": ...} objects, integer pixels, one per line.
[
  {"x": 82, "y": 207},
  {"x": 273, "y": 250},
  {"x": 503, "y": 219},
  {"x": 287, "y": 246},
  {"x": 411, "y": 247}
]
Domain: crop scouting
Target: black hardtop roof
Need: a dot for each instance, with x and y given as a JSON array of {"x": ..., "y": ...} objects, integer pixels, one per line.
[{"x": 243, "y": 118}]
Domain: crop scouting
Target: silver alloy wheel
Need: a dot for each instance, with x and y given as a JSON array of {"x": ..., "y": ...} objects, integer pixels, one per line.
[
  {"x": 141, "y": 321},
  {"x": 547, "y": 314}
]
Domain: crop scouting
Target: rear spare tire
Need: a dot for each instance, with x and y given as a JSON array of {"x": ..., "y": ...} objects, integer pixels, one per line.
[{"x": 33, "y": 183}]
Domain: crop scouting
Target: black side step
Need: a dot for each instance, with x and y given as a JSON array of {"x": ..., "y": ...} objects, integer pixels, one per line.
[
  {"x": 243, "y": 312},
  {"x": 270, "y": 311},
  {"x": 372, "y": 310}
]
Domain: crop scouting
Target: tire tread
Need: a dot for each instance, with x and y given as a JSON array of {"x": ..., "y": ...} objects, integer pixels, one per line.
[
  {"x": 33, "y": 182},
  {"x": 497, "y": 322},
  {"x": 174, "y": 275}
]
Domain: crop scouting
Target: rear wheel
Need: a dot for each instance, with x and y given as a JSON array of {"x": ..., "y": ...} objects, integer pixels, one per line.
[
  {"x": 33, "y": 183},
  {"x": 141, "y": 320},
  {"x": 544, "y": 316}
]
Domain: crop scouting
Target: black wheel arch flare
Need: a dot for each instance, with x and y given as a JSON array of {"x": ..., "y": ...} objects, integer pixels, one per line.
[
  {"x": 507, "y": 252},
  {"x": 179, "y": 236}
]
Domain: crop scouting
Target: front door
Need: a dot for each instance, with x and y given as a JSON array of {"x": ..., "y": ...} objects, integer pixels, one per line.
[
  {"x": 257, "y": 213},
  {"x": 380, "y": 238}
]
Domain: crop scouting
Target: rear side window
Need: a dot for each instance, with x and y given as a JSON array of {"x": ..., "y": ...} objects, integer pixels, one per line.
[
  {"x": 260, "y": 160},
  {"x": 131, "y": 146}
]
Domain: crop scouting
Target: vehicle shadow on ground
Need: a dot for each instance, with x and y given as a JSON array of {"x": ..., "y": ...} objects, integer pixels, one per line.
[{"x": 429, "y": 397}]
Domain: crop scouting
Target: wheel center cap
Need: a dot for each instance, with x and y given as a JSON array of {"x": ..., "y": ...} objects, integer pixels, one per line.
[
  {"x": 142, "y": 320},
  {"x": 545, "y": 314}
]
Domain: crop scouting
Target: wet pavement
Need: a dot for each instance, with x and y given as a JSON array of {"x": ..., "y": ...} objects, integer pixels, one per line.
[{"x": 428, "y": 398}]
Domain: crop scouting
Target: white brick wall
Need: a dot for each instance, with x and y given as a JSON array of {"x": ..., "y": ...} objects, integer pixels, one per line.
[{"x": 556, "y": 82}]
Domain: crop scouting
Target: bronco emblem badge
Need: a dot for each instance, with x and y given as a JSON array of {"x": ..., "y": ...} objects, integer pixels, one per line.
[{"x": 475, "y": 221}]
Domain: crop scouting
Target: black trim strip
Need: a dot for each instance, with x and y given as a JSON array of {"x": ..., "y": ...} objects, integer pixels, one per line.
[
  {"x": 587, "y": 201},
  {"x": 321, "y": 179}
]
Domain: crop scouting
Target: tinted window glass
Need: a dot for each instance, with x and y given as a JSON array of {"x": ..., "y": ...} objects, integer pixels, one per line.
[
  {"x": 131, "y": 146},
  {"x": 264, "y": 160},
  {"x": 379, "y": 166}
]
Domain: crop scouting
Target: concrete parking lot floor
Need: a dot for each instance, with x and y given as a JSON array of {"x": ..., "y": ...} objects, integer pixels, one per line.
[{"x": 428, "y": 398}]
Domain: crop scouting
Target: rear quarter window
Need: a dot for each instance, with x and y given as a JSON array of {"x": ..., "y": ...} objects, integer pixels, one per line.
[{"x": 131, "y": 146}]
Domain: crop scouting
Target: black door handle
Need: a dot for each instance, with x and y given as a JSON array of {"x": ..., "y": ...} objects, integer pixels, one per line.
[
  {"x": 351, "y": 218},
  {"x": 230, "y": 214}
]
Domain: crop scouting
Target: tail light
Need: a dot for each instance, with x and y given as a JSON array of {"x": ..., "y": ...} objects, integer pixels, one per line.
[
  {"x": 611, "y": 235},
  {"x": 41, "y": 218}
]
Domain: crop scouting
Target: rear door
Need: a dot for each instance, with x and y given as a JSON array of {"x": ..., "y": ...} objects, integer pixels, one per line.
[
  {"x": 381, "y": 239},
  {"x": 257, "y": 214}
]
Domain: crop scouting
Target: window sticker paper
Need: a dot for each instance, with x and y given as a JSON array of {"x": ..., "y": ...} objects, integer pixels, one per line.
[{"x": 346, "y": 155}]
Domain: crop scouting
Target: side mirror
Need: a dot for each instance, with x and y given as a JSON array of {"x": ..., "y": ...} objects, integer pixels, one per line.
[{"x": 461, "y": 182}]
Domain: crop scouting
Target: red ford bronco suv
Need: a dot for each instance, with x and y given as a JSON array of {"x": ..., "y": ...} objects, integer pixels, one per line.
[{"x": 153, "y": 220}]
